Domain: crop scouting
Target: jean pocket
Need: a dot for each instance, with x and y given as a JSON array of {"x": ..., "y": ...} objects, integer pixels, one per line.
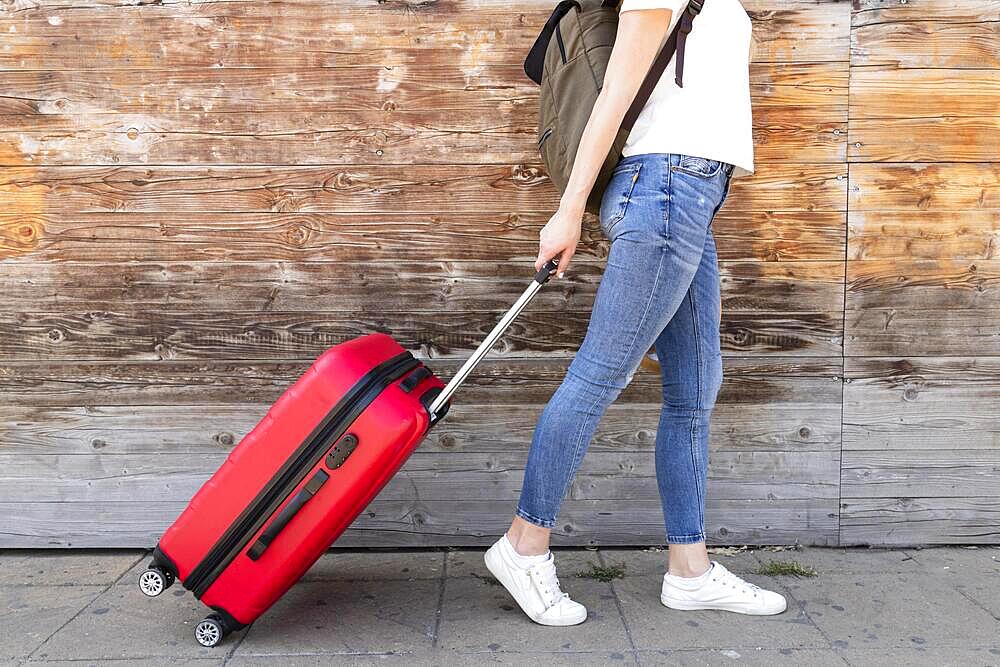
[
  {"x": 614, "y": 202},
  {"x": 698, "y": 166}
]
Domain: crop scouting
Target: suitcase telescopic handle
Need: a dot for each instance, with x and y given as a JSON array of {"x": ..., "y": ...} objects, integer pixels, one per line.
[{"x": 540, "y": 279}]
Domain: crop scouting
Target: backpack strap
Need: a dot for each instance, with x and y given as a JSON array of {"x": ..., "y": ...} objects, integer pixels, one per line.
[
  {"x": 535, "y": 62},
  {"x": 675, "y": 43}
]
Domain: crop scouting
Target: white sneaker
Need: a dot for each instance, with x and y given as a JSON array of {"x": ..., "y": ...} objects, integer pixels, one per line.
[
  {"x": 723, "y": 590},
  {"x": 534, "y": 588}
]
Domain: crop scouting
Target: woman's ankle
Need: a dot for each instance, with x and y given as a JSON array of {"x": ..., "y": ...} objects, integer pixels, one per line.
[
  {"x": 688, "y": 560},
  {"x": 527, "y": 538}
]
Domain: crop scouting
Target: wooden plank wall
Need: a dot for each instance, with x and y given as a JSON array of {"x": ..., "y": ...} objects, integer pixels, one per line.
[
  {"x": 921, "y": 456},
  {"x": 199, "y": 198}
]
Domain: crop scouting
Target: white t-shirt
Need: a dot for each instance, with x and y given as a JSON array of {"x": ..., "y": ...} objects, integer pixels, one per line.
[{"x": 710, "y": 116}]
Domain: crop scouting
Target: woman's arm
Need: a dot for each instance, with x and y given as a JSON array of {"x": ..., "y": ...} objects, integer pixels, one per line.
[{"x": 637, "y": 42}]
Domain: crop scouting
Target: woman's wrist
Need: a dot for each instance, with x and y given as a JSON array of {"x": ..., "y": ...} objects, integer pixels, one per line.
[{"x": 572, "y": 205}]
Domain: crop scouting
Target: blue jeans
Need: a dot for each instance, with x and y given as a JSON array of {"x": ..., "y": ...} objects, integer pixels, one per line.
[{"x": 660, "y": 288}]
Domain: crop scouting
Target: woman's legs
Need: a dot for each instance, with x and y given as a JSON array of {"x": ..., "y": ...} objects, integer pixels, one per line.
[
  {"x": 656, "y": 251},
  {"x": 690, "y": 358}
]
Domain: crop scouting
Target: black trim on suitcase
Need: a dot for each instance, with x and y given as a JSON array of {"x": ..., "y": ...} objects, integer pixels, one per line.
[
  {"x": 229, "y": 623},
  {"x": 163, "y": 561},
  {"x": 291, "y": 474},
  {"x": 427, "y": 398},
  {"x": 291, "y": 509}
]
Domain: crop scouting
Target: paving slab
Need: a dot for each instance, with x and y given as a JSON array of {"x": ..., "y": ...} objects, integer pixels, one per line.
[
  {"x": 893, "y": 610},
  {"x": 979, "y": 586},
  {"x": 130, "y": 662},
  {"x": 353, "y": 565},
  {"x": 656, "y": 627},
  {"x": 760, "y": 657},
  {"x": 122, "y": 623},
  {"x": 339, "y": 617},
  {"x": 654, "y": 560},
  {"x": 377, "y": 565},
  {"x": 443, "y": 658},
  {"x": 30, "y": 614},
  {"x": 923, "y": 657},
  {"x": 943, "y": 559},
  {"x": 478, "y": 615},
  {"x": 54, "y": 568},
  {"x": 852, "y": 560}
]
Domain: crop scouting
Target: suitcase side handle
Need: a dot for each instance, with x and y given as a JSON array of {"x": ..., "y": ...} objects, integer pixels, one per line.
[
  {"x": 540, "y": 279},
  {"x": 287, "y": 514}
]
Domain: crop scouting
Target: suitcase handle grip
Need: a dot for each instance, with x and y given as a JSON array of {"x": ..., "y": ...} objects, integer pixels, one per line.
[{"x": 287, "y": 514}]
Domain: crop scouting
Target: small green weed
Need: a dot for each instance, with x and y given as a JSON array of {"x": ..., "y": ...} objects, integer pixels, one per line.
[
  {"x": 603, "y": 572},
  {"x": 776, "y": 568}
]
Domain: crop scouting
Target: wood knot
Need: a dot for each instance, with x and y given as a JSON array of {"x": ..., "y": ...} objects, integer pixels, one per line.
[
  {"x": 340, "y": 181},
  {"x": 512, "y": 221},
  {"x": 525, "y": 174},
  {"x": 296, "y": 235},
  {"x": 20, "y": 237}
]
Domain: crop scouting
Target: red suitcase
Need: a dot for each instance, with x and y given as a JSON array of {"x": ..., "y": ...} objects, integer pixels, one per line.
[{"x": 295, "y": 482}]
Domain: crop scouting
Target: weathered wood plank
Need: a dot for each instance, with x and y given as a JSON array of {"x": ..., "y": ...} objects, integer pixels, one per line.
[
  {"x": 772, "y": 196},
  {"x": 921, "y": 332},
  {"x": 789, "y": 95},
  {"x": 967, "y": 473},
  {"x": 458, "y": 286},
  {"x": 942, "y": 139},
  {"x": 170, "y": 334},
  {"x": 959, "y": 285},
  {"x": 924, "y": 187},
  {"x": 314, "y": 34},
  {"x": 596, "y": 522},
  {"x": 424, "y": 477},
  {"x": 919, "y": 521},
  {"x": 888, "y": 92},
  {"x": 926, "y": 33},
  {"x": 740, "y": 235},
  {"x": 917, "y": 235},
  {"x": 876, "y": 12},
  {"x": 760, "y": 380},
  {"x": 396, "y": 136},
  {"x": 922, "y": 403},
  {"x": 739, "y": 424}
]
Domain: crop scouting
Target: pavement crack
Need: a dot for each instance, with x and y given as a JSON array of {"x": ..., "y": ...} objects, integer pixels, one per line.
[{"x": 82, "y": 609}]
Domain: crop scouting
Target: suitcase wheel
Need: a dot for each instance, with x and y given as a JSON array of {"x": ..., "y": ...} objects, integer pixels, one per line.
[
  {"x": 154, "y": 581},
  {"x": 210, "y": 631}
]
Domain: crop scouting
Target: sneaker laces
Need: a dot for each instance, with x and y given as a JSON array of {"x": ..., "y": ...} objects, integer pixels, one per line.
[
  {"x": 546, "y": 581},
  {"x": 734, "y": 580}
]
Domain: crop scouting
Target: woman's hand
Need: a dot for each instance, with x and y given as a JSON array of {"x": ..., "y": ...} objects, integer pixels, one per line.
[{"x": 560, "y": 236}]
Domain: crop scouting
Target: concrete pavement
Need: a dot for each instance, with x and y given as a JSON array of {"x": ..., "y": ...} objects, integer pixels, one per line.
[{"x": 932, "y": 606}]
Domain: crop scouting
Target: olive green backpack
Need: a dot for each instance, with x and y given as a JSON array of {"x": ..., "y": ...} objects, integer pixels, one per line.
[{"x": 570, "y": 70}]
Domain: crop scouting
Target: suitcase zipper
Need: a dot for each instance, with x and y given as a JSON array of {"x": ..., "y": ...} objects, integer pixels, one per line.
[{"x": 309, "y": 453}]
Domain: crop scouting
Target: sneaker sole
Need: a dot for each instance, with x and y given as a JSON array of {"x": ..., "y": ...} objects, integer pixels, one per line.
[
  {"x": 495, "y": 569},
  {"x": 687, "y": 605}
]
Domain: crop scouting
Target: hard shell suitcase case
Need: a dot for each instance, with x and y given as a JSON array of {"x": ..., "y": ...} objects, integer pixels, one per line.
[{"x": 303, "y": 474}]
